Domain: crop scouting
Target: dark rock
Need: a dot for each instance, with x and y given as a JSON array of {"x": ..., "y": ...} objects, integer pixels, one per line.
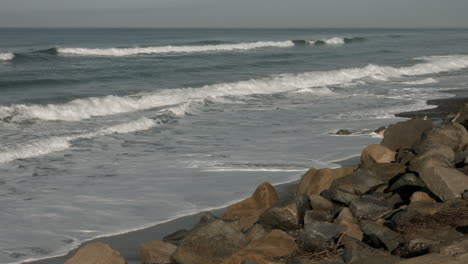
[
  {"x": 380, "y": 236},
  {"x": 388, "y": 170},
  {"x": 286, "y": 215},
  {"x": 319, "y": 203},
  {"x": 401, "y": 217},
  {"x": 314, "y": 216},
  {"x": 405, "y": 180},
  {"x": 176, "y": 237},
  {"x": 415, "y": 247},
  {"x": 380, "y": 129},
  {"x": 211, "y": 243},
  {"x": 465, "y": 195},
  {"x": 368, "y": 206},
  {"x": 339, "y": 196},
  {"x": 451, "y": 135},
  {"x": 343, "y": 132},
  {"x": 404, "y": 156},
  {"x": 357, "y": 252},
  {"x": 316, "y": 232},
  {"x": 362, "y": 181},
  {"x": 461, "y": 158},
  {"x": 404, "y": 135}
]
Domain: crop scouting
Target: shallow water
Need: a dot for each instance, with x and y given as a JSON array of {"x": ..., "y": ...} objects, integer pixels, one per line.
[{"x": 104, "y": 131}]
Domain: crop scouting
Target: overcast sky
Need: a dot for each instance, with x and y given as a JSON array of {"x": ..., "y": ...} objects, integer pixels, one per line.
[{"x": 234, "y": 13}]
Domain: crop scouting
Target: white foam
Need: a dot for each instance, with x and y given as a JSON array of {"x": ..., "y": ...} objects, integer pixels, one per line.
[
  {"x": 109, "y": 105},
  {"x": 422, "y": 81},
  {"x": 60, "y": 143},
  {"x": 118, "y": 52},
  {"x": 330, "y": 41},
  {"x": 6, "y": 56}
]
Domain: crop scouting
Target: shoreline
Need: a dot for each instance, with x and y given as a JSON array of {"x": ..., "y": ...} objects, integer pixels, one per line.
[{"x": 128, "y": 243}]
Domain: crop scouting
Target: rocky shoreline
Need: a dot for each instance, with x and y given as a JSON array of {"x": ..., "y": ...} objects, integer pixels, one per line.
[{"x": 406, "y": 202}]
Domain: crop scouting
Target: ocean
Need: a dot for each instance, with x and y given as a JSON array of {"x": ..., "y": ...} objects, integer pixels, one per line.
[{"x": 104, "y": 131}]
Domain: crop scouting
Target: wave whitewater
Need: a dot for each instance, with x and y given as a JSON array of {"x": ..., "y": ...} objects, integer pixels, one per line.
[
  {"x": 119, "y": 52},
  {"x": 86, "y": 108},
  {"x": 60, "y": 143},
  {"x": 6, "y": 56}
]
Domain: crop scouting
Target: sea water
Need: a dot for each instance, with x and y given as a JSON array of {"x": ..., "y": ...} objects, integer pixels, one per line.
[{"x": 103, "y": 131}]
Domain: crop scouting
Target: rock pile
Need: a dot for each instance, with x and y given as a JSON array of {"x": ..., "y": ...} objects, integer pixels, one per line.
[{"x": 405, "y": 203}]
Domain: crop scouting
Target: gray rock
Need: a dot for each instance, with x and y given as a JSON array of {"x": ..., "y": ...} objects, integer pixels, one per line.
[
  {"x": 362, "y": 181},
  {"x": 446, "y": 183},
  {"x": 176, "y": 237},
  {"x": 316, "y": 232},
  {"x": 339, "y": 196},
  {"x": 461, "y": 157},
  {"x": 319, "y": 203},
  {"x": 434, "y": 156},
  {"x": 368, "y": 206},
  {"x": 404, "y": 156},
  {"x": 404, "y": 135},
  {"x": 465, "y": 195},
  {"x": 357, "y": 252},
  {"x": 343, "y": 132},
  {"x": 286, "y": 215},
  {"x": 406, "y": 180},
  {"x": 314, "y": 216},
  {"x": 401, "y": 217},
  {"x": 380, "y": 236},
  {"x": 452, "y": 135},
  {"x": 211, "y": 243}
]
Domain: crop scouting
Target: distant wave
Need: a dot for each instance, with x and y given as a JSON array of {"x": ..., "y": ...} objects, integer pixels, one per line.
[
  {"x": 109, "y": 105},
  {"x": 6, "y": 56},
  {"x": 60, "y": 143},
  {"x": 422, "y": 81},
  {"x": 329, "y": 41},
  {"x": 118, "y": 52}
]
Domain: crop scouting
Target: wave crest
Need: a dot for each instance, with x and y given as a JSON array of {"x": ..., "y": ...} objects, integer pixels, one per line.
[
  {"x": 109, "y": 105},
  {"x": 7, "y": 56},
  {"x": 118, "y": 52}
]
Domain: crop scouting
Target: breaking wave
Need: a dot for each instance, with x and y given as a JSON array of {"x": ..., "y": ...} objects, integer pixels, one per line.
[
  {"x": 119, "y": 52},
  {"x": 60, "y": 143},
  {"x": 6, "y": 56},
  {"x": 109, "y": 105},
  {"x": 422, "y": 81}
]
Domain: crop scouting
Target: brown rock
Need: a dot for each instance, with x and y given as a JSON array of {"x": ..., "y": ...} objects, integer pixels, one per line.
[
  {"x": 319, "y": 203},
  {"x": 421, "y": 197},
  {"x": 316, "y": 181},
  {"x": 156, "y": 252},
  {"x": 404, "y": 135},
  {"x": 209, "y": 244},
  {"x": 462, "y": 116},
  {"x": 255, "y": 232},
  {"x": 264, "y": 197},
  {"x": 446, "y": 183},
  {"x": 352, "y": 229},
  {"x": 451, "y": 135},
  {"x": 345, "y": 215},
  {"x": 376, "y": 154},
  {"x": 244, "y": 223},
  {"x": 97, "y": 253},
  {"x": 272, "y": 245}
]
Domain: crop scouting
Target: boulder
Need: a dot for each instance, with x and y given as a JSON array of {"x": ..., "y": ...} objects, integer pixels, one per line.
[
  {"x": 446, "y": 183},
  {"x": 156, "y": 252},
  {"x": 209, "y": 244},
  {"x": 434, "y": 156},
  {"x": 316, "y": 181},
  {"x": 362, "y": 181},
  {"x": 368, "y": 206},
  {"x": 255, "y": 232},
  {"x": 343, "y": 132},
  {"x": 421, "y": 197},
  {"x": 264, "y": 197},
  {"x": 404, "y": 135},
  {"x": 345, "y": 215},
  {"x": 272, "y": 245},
  {"x": 380, "y": 131},
  {"x": 401, "y": 217},
  {"x": 97, "y": 253},
  {"x": 317, "y": 233},
  {"x": 405, "y": 181},
  {"x": 244, "y": 223},
  {"x": 404, "y": 156},
  {"x": 176, "y": 237},
  {"x": 339, "y": 196},
  {"x": 388, "y": 170},
  {"x": 321, "y": 216},
  {"x": 465, "y": 195},
  {"x": 461, "y": 158},
  {"x": 319, "y": 203},
  {"x": 357, "y": 252},
  {"x": 380, "y": 236},
  {"x": 451, "y": 135},
  {"x": 286, "y": 215},
  {"x": 462, "y": 116},
  {"x": 376, "y": 154}
]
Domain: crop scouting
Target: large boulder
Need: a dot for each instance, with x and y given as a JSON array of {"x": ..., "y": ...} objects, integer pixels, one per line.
[
  {"x": 446, "y": 183},
  {"x": 404, "y": 135},
  {"x": 211, "y": 243},
  {"x": 316, "y": 233},
  {"x": 405, "y": 181},
  {"x": 339, "y": 196},
  {"x": 357, "y": 252},
  {"x": 272, "y": 245},
  {"x": 319, "y": 203},
  {"x": 97, "y": 253},
  {"x": 451, "y": 135},
  {"x": 315, "y": 181},
  {"x": 264, "y": 197},
  {"x": 433, "y": 156},
  {"x": 362, "y": 181},
  {"x": 286, "y": 215},
  {"x": 380, "y": 236},
  {"x": 376, "y": 154},
  {"x": 368, "y": 206},
  {"x": 156, "y": 252}
]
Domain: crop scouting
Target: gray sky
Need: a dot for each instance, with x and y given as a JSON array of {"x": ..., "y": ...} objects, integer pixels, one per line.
[{"x": 233, "y": 13}]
